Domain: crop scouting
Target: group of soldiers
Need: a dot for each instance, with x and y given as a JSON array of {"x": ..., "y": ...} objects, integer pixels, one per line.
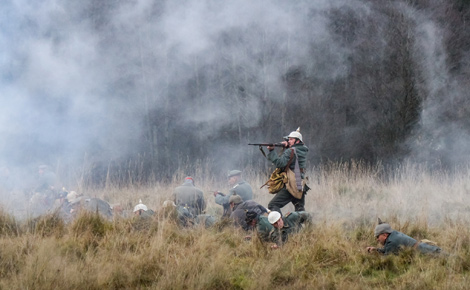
[
  {"x": 188, "y": 204},
  {"x": 240, "y": 208}
]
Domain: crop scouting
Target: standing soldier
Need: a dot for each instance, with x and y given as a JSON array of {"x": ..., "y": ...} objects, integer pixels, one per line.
[
  {"x": 189, "y": 196},
  {"x": 295, "y": 158},
  {"x": 239, "y": 187}
]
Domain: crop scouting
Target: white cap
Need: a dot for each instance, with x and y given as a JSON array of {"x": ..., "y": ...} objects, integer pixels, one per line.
[
  {"x": 140, "y": 206},
  {"x": 295, "y": 134},
  {"x": 273, "y": 217}
]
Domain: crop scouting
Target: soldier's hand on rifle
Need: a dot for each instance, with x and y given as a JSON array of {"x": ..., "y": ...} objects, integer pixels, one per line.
[{"x": 218, "y": 192}]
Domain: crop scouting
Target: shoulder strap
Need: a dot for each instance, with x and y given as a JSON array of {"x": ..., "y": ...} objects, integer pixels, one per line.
[{"x": 290, "y": 159}]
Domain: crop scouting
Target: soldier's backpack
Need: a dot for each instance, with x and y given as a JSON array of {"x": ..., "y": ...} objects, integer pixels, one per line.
[{"x": 276, "y": 181}]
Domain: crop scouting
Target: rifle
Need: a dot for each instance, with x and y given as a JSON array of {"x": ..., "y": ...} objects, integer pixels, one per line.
[{"x": 267, "y": 144}]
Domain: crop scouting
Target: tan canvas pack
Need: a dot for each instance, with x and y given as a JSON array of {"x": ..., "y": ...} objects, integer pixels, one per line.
[
  {"x": 291, "y": 184},
  {"x": 276, "y": 181}
]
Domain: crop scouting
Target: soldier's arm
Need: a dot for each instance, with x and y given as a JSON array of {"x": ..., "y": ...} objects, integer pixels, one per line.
[
  {"x": 305, "y": 217},
  {"x": 259, "y": 209},
  {"x": 220, "y": 199},
  {"x": 202, "y": 201},
  {"x": 282, "y": 160}
]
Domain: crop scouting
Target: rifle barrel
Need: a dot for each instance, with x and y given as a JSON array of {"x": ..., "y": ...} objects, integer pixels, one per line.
[{"x": 267, "y": 144}]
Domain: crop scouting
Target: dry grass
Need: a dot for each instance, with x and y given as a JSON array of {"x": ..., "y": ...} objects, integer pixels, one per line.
[{"x": 93, "y": 253}]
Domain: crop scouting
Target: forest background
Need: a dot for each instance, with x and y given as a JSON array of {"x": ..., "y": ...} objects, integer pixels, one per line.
[
  {"x": 132, "y": 91},
  {"x": 125, "y": 98}
]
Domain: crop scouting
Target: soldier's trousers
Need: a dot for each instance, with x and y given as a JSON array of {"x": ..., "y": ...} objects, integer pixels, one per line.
[{"x": 283, "y": 197}]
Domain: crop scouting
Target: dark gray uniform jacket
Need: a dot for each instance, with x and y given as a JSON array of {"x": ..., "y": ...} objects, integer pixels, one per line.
[
  {"x": 292, "y": 224},
  {"x": 397, "y": 240},
  {"x": 189, "y": 196},
  {"x": 239, "y": 212},
  {"x": 280, "y": 161},
  {"x": 243, "y": 189}
]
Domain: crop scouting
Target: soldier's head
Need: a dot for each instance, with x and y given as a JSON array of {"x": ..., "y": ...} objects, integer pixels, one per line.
[
  {"x": 382, "y": 231},
  {"x": 234, "y": 176},
  {"x": 294, "y": 137},
  {"x": 234, "y": 200},
  {"x": 138, "y": 209},
  {"x": 275, "y": 219},
  {"x": 188, "y": 180}
]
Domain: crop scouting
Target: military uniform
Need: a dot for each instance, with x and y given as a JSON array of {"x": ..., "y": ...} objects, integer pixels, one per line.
[
  {"x": 243, "y": 189},
  {"x": 292, "y": 224},
  {"x": 189, "y": 196},
  {"x": 205, "y": 219},
  {"x": 239, "y": 212},
  {"x": 147, "y": 214},
  {"x": 264, "y": 229},
  {"x": 283, "y": 197},
  {"x": 187, "y": 219},
  {"x": 96, "y": 205},
  {"x": 184, "y": 216},
  {"x": 397, "y": 240}
]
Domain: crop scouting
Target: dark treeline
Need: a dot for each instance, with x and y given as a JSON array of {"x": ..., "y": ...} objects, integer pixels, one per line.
[{"x": 378, "y": 81}]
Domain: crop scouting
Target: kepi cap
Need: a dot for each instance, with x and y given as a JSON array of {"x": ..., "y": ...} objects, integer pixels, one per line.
[
  {"x": 235, "y": 198},
  {"x": 234, "y": 173}
]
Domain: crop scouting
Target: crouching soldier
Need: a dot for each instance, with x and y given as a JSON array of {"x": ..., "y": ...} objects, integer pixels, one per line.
[
  {"x": 184, "y": 217},
  {"x": 260, "y": 224},
  {"x": 142, "y": 211},
  {"x": 287, "y": 225},
  {"x": 239, "y": 209},
  {"x": 393, "y": 241},
  {"x": 189, "y": 196},
  {"x": 239, "y": 187}
]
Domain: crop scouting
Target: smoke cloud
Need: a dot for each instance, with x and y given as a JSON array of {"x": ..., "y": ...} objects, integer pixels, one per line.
[{"x": 92, "y": 78}]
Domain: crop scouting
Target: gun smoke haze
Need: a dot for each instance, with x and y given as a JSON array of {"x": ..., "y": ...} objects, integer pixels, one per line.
[{"x": 101, "y": 81}]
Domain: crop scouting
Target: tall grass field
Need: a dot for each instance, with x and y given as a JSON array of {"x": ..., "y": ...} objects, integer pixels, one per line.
[{"x": 91, "y": 252}]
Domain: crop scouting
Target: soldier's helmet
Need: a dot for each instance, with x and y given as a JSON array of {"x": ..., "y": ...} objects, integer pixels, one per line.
[
  {"x": 382, "y": 228},
  {"x": 140, "y": 206},
  {"x": 295, "y": 134},
  {"x": 273, "y": 217}
]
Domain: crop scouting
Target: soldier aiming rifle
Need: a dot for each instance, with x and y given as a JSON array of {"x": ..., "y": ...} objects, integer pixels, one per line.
[{"x": 290, "y": 165}]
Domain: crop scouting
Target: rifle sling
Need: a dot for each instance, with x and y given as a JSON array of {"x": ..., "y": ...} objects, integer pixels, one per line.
[
  {"x": 290, "y": 160},
  {"x": 262, "y": 151}
]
